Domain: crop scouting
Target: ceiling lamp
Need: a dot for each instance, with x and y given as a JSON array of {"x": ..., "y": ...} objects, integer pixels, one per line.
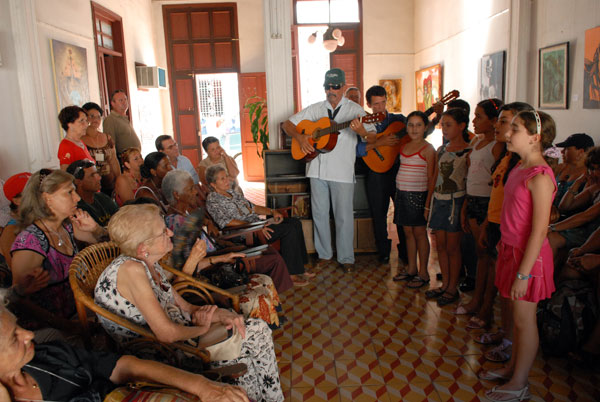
[{"x": 332, "y": 37}]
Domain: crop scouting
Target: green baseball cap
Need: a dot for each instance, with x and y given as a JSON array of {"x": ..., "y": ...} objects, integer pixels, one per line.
[{"x": 335, "y": 76}]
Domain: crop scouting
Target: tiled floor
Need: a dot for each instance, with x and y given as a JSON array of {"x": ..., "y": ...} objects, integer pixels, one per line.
[{"x": 363, "y": 337}]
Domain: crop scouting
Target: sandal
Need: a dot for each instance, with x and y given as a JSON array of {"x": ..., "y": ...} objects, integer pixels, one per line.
[
  {"x": 434, "y": 293},
  {"x": 445, "y": 300},
  {"x": 489, "y": 338},
  {"x": 491, "y": 375},
  {"x": 309, "y": 275},
  {"x": 477, "y": 323},
  {"x": 461, "y": 310},
  {"x": 403, "y": 276},
  {"x": 417, "y": 282},
  {"x": 298, "y": 281},
  {"x": 510, "y": 396},
  {"x": 500, "y": 353}
]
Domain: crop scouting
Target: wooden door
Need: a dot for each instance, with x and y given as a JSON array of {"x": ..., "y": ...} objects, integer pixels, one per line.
[
  {"x": 200, "y": 39},
  {"x": 251, "y": 84},
  {"x": 348, "y": 57}
]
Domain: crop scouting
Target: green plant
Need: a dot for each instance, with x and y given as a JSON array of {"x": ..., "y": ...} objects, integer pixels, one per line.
[{"x": 259, "y": 122}]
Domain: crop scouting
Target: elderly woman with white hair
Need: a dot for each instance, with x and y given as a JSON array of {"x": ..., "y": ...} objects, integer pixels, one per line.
[
  {"x": 260, "y": 297},
  {"x": 134, "y": 286},
  {"x": 55, "y": 371}
]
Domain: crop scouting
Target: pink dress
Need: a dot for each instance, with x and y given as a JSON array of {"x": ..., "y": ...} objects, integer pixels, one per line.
[{"x": 515, "y": 225}]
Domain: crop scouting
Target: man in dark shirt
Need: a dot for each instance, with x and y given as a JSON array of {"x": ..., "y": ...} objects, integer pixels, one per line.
[
  {"x": 87, "y": 181},
  {"x": 381, "y": 187}
]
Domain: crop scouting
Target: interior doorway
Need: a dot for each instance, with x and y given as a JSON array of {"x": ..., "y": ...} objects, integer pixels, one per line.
[{"x": 219, "y": 112}]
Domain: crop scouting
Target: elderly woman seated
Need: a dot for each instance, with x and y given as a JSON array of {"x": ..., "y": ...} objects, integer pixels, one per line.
[
  {"x": 135, "y": 287},
  {"x": 230, "y": 208},
  {"x": 574, "y": 231},
  {"x": 57, "y": 372},
  {"x": 185, "y": 219},
  {"x": 43, "y": 251}
]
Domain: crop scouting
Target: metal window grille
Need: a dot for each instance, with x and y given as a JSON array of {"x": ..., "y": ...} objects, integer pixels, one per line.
[{"x": 210, "y": 97}]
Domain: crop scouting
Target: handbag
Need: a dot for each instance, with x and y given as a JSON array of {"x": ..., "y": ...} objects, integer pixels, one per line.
[
  {"x": 149, "y": 392},
  {"x": 226, "y": 275}
]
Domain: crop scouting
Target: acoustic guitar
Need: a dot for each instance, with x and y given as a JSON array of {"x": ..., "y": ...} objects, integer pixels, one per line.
[
  {"x": 382, "y": 158},
  {"x": 323, "y": 134}
]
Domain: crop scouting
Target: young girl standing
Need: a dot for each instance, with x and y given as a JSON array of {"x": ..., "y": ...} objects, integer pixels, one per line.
[
  {"x": 414, "y": 186},
  {"x": 486, "y": 150},
  {"x": 524, "y": 271},
  {"x": 448, "y": 198}
]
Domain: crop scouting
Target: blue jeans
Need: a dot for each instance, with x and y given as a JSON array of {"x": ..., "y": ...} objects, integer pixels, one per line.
[{"x": 342, "y": 201}]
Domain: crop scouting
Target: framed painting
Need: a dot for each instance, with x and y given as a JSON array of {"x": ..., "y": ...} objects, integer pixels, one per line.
[
  {"x": 302, "y": 204},
  {"x": 69, "y": 64},
  {"x": 554, "y": 77},
  {"x": 428, "y": 83},
  {"x": 393, "y": 89},
  {"x": 492, "y": 76},
  {"x": 591, "y": 66}
]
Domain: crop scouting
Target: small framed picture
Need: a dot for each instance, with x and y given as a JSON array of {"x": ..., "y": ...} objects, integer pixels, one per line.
[
  {"x": 301, "y": 204},
  {"x": 554, "y": 77},
  {"x": 428, "y": 83},
  {"x": 492, "y": 76}
]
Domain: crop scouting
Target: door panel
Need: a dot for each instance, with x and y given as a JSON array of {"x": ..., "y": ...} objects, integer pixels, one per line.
[
  {"x": 251, "y": 84},
  {"x": 199, "y": 39},
  {"x": 349, "y": 56}
]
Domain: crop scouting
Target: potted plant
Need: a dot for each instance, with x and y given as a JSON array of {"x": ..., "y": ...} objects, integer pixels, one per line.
[{"x": 259, "y": 122}]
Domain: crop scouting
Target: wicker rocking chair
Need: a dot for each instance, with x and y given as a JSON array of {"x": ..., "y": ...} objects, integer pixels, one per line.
[{"x": 87, "y": 267}]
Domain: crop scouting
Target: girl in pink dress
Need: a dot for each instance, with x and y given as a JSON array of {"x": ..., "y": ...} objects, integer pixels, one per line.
[{"x": 524, "y": 271}]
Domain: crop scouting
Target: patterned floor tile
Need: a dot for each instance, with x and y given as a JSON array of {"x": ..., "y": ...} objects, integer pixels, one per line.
[
  {"x": 364, "y": 393},
  {"x": 314, "y": 394},
  {"x": 313, "y": 373},
  {"x": 362, "y": 370},
  {"x": 413, "y": 392}
]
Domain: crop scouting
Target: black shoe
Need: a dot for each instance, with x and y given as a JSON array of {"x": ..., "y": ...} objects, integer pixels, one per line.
[
  {"x": 467, "y": 285},
  {"x": 384, "y": 259},
  {"x": 444, "y": 300}
]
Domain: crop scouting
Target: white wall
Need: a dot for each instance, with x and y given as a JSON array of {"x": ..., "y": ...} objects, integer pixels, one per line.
[
  {"x": 388, "y": 46},
  {"x": 457, "y": 33},
  {"x": 250, "y": 30},
  {"x": 69, "y": 21}
]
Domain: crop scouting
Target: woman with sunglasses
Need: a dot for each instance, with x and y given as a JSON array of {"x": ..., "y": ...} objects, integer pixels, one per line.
[
  {"x": 102, "y": 148},
  {"x": 74, "y": 121},
  {"x": 43, "y": 251}
]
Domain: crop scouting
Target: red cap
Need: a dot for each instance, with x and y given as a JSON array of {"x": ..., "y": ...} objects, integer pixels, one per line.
[{"x": 15, "y": 185}]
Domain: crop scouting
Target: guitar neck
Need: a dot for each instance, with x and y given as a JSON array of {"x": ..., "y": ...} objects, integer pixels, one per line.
[{"x": 335, "y": 127}]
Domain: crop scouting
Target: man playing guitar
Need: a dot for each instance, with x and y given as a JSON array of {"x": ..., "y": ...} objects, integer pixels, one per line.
[
  {"x": 332, "y": 174},
  {"x": 381, "y": 187}
]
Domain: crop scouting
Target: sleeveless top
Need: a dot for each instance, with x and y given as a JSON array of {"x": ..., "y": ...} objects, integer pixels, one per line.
[
  {"x": 517, "y": 210},
  {"x": 452, "y": 171},
  {"x": 57, "y": 297},
  {"x": 497, "y": 193},
  {"x": 480, "y": 171},
  {"x": 412, "y": 175},
  {"x": 107, "y": 296}
]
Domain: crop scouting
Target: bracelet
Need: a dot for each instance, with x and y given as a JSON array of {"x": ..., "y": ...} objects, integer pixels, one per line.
[{"x": 523, "y": 277}]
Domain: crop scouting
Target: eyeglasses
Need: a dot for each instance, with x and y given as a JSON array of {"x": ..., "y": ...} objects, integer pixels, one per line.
[
  {"x": 165, "y": 233},
  {"x": 331, "y": 86}
]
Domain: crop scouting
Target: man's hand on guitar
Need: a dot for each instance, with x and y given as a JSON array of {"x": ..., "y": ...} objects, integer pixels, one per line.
[
  {"x": 389, "y": 140},
  {"x": 358, "y": 127},
  {"x": 304, "y": 144},
  {"x": 438, "y": 108}
]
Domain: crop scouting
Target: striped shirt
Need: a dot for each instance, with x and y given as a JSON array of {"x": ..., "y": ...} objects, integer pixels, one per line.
[{"x": 412, "y": 175}]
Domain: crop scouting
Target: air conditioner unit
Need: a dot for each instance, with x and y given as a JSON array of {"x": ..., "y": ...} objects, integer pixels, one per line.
[{"x": 151, "y": 77}]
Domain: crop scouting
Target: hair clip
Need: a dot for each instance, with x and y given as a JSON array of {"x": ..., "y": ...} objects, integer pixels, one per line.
[
  {"x": 494, "y": 103},
  {"x": 43, "y": 174},
  {"x": 538, "y": 122}
]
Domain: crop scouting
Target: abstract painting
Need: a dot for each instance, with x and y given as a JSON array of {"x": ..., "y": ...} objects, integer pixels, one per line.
[
  {"x": 428, "y": 83},
  {"x": 393, "y": 88},
  {"x": 69, "y": 63},
  {"x": 553, "y": 79},
  {"x": 591, "y": 73},
  {"x": 492, "y": 76}
]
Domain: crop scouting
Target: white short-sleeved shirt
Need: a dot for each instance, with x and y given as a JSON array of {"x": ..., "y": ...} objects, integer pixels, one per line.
[{"x": 337, "y": 165}]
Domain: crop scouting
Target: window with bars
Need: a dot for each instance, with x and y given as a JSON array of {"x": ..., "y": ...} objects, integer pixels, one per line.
[
  {"x": 104, "y": 33},
  {"x": 210, "y": 97}
]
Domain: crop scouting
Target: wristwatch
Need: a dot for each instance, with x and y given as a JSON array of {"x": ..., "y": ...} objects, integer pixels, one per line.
[{"x": 523, "y": 277}]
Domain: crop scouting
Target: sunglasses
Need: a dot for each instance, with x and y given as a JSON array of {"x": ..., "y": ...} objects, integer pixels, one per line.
[{"x": 331, "y": 86}]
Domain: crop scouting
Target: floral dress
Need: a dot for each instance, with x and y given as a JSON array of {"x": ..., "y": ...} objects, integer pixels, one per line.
[
  {"x": 258, "y": 298},
  {"x": 261, "y": 382}
]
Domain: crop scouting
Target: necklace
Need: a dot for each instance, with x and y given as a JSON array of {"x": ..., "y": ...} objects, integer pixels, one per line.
[
  {"x": 60, "y": 239},
  {"x": 179, "y": 212}
]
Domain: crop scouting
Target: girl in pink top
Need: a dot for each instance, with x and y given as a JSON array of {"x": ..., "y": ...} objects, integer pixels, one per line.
[{"x": 524, "y": 271}]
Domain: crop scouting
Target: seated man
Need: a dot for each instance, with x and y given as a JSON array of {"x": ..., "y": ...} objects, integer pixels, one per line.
[
  {"x": 168, "y": 146},
  {"x": 87, "y": 182},
  {"x": 57, "y": 372}
]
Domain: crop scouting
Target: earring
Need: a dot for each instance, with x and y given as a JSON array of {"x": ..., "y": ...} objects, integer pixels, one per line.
[{"x": 146, "y": 254}]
